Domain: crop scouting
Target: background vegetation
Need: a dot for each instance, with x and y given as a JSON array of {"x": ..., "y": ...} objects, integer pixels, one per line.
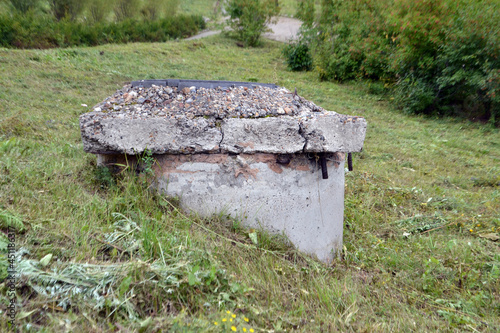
[
  {"x": 63, "y": 23},
  {"x": 436, "y": 57},
  {"x": 101, "y": 253},
  {"x": 249, "y": 18}
]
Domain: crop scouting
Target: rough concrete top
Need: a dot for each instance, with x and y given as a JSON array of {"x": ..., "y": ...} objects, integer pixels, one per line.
[{"x": 186, "y": 116}]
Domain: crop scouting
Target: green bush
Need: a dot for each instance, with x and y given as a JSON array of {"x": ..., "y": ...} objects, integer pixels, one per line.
[
  {"x": 38, "y": 31},
  {"x": 21, "y": 30},
  {"x": 440, "y": 57},
  {"x": 352, "y": 43},
  {"x": 248, "y": 18},
  {"x": 297, "y": 56}
]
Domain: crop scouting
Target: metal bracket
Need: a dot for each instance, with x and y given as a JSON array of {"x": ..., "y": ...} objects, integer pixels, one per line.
[{"x": 324, "y": 167}]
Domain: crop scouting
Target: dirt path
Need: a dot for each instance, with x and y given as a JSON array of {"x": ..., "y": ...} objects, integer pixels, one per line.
[{"x": 284, "y": 29}]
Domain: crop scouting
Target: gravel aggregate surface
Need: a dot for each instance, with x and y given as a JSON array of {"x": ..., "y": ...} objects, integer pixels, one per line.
[{"x": 213, "y": 104}]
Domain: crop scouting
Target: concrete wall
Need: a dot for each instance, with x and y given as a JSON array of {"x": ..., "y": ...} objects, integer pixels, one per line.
[{"x": 264, "y": 192}]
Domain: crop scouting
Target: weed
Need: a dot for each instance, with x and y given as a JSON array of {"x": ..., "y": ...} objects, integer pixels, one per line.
[
  {"x": 146, "y": 162},
  {"x": 104, "y": 177},
  {"x": 230, "y": 322},
  {"x": 9, "y": 220}
]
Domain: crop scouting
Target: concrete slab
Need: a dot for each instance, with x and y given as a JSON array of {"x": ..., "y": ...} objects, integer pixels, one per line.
[{"x": 228, "y": 117}]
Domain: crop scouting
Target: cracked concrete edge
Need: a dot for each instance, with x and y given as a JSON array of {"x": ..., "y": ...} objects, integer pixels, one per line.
[
  {"x": 262, "y": 135},
  {"x": 333, "y": 133},
  {"x": 105, "y": 134},
  {"x": 160, "y": 136}
]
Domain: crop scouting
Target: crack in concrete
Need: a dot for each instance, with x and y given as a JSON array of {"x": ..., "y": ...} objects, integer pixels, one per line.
[
  {"x": 302, "y": 134},
  {"x": 222, "y": 138}
]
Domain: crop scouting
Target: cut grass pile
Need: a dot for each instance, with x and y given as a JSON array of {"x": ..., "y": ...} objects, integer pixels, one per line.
[{"x": 100, "y": 253}]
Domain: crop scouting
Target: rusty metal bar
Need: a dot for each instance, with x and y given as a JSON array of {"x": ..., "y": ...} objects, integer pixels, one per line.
[{"x": 324, "y": 167}]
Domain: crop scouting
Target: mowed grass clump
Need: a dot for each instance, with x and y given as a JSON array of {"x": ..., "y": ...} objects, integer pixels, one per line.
[{"x": 103, "y": 252}]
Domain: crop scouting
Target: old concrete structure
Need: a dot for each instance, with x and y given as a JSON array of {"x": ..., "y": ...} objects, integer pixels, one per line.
[{"x": 264, "y": 155}]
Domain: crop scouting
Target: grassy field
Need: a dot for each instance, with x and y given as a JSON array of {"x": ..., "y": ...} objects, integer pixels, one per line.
[{"x": 102, "y": 254}]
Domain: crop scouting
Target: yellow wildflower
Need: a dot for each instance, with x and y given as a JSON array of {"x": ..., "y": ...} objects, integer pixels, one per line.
[
  {"x": 224, "y": 319},
  {"x": 233, "y": 315},
  {"x": 245, "y": 319},
  {"x": 216, "y": 323},
  {"x": 233, "y": 328}
]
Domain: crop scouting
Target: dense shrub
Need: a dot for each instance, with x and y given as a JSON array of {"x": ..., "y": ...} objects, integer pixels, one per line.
[
  {"x": 248, "y": 18},
  {"x": 37, "y": 31},
  {"x": 352, "y": 40},
  {"x": 298, "y": 57},
  {"x": 440, "y": 57}
]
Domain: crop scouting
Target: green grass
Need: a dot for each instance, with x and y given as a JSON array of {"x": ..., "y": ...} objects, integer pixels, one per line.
[{"x": 423, "y": 194}]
